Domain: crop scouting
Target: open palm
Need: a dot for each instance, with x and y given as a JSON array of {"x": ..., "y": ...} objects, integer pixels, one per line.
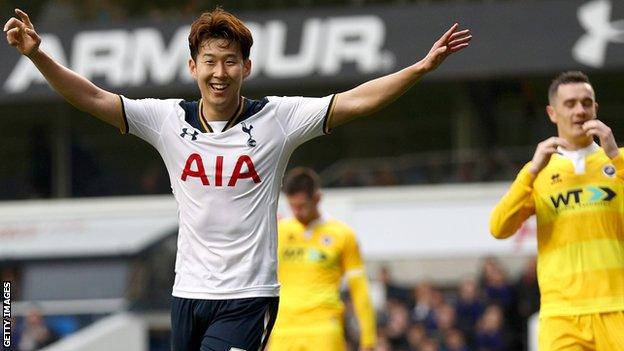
[{"x": 450, "y": 42}]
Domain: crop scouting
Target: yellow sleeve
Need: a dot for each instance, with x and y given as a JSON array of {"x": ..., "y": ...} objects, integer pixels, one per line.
[
  {"x": 358, "y": 289},
  {"x": 618, "y": 162},
  {"x": 515, "y": 207}
]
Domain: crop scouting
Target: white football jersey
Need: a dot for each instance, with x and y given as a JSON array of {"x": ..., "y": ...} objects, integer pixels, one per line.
[{"x": 227, "y": 186}]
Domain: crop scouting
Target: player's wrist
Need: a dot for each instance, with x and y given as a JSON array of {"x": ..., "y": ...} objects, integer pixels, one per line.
[{"x": 35, "y": 54}]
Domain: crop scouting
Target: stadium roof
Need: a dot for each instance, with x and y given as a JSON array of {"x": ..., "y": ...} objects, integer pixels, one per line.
[{"x": 84, "y": 228}]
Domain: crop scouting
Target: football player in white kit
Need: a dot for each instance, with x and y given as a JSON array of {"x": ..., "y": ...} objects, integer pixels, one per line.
[{"x": 226, "y": 155}]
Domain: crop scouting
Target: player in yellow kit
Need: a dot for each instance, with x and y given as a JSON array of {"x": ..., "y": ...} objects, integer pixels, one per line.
[
  {"x": 576, "y": 190},
  {"x": 314, "y": 253}
]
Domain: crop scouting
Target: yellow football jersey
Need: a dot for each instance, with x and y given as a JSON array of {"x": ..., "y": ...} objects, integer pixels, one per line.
[
  {"x": 580, "y": 231},
  {"x": 311, "y": 264}
]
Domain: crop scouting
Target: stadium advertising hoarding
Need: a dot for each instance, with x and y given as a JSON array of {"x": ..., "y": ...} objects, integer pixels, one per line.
[{"x": 324, "y": 47}]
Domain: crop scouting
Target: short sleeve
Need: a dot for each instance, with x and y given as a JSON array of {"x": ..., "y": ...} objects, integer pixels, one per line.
[
  {"x": 304, "y": 118},
  {"x": 145, "y": 117}
]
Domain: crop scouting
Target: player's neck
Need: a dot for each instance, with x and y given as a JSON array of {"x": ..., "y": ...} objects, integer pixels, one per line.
[
  {"x": 214, "y": 113},
  {"x": 580, "y": 143},
  {"x": 313, "y": 219}
]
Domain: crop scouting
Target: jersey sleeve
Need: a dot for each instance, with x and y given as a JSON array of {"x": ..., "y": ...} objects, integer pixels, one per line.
[
  {"x": 515, "y": 207},
  {"x": 145, "y": 117},
  {"x": 304, "y": 118},
  {"x": 618, "y": 162},
  {"x": 357, "y": 282}
]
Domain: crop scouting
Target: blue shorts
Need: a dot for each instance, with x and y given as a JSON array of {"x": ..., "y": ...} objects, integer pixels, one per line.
[{"x": 222, "y": 325}]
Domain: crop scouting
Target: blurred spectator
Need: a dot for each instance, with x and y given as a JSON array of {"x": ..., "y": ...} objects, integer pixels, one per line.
[
  {"x": 423, "y": 302},
  {"x": 528, "y": 291},
  {"x": 383, "y": 344},
  {"x": 416, "y": 335},
  {"x": 384, "y": 176},
  {"x": 454, "y": 341},
  {"x": 35, "y": 334},
  {"x": 490, "y": 335},
  {"x": 393, "y": 291},
  {"x": 429, "y": 345},
  {"x": 349, "y": 178},
  {"x": 469, "y": 307},
  {"x": 444, "y": 320},
  {"x": 397, "y": 325},
  {"x": 528, "y": 300},
  {"x": 155, "y": 180},
  {"x": 495, "y": 285},
  {"x": 63, "y": 325}
]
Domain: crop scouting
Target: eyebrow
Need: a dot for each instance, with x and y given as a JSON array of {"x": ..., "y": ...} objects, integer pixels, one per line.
[
  {"x": 213, "y": 55},
  {"x": 575, "y": 99}
]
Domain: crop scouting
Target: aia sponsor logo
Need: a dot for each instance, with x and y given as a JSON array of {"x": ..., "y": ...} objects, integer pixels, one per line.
[{"x": 244, "y": 169}]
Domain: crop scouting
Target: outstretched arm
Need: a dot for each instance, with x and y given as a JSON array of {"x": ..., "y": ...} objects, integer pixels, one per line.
[
  {"x": 77, "y": 90},
  {"x": 375, "y": 94}
]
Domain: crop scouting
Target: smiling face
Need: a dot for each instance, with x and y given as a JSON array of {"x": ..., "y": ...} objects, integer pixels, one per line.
[
  {"x": 571, "y": 106},
  {"x": 219, "y": 69}
]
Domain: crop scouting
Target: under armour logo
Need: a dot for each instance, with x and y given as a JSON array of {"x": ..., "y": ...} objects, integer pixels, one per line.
[
  {"x": 595, "y": 18},
  {"x": 193, "y": 135},
  {"x": 250, "y": 142}
]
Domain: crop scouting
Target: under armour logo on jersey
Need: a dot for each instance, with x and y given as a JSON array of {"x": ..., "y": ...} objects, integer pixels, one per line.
[
  {"x": 250, "y": 142},
  {"x": 193, "y": 135},
  {"x": 595, "y": 18}
]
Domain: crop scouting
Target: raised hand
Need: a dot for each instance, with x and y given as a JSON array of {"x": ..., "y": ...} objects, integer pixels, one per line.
[
  {"x": 600, "y": 130},
  {"x": 544, "y": 151},
  {"x": 20, "y": 33},
  {"x": 450, "y": 42}
]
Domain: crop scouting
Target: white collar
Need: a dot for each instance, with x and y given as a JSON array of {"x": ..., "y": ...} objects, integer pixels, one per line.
[
  {"x": 315, "y": 223},
  {"x": 578, "y": 156},
  {"x": 580, "y": 153}
]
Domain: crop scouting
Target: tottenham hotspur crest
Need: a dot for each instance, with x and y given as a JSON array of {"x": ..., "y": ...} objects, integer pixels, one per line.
[{"x": 250, "y": 142}]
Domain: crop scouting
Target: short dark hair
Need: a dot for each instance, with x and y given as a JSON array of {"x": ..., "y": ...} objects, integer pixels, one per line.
[
  {"x": 566, "y": 78},
  {"x": 219, "y": 24},
  {"x": 301, "y": 179}
]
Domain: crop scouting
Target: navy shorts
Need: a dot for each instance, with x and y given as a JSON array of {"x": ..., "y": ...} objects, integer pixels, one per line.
[{"x": 222, "y": 325}]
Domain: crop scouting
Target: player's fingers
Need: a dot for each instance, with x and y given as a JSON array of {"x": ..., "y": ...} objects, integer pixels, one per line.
[
  {"x": 562, "y": 142},
  {"x": 459, "y": 47},
  {"x": 31, "y": 33},
  {"x": 24, "y": 17},
  {"x": 460, "y": 40},
  {"x": 594, "y": 123},
  {"x": 12, "y": 23},
  {"x": 461, "y": 33},
  {"x": 13, "y": 36},
  {"x": 445, "y": 37},
  {"x": 550, "y": 150}
]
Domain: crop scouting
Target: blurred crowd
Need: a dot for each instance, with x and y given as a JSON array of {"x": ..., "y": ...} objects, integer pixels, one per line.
[
  {"x": 484, "y": 313},
  {"x": 487, "y": 312}
]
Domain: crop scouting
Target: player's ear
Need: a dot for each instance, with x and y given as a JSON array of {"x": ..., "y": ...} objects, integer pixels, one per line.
[
  {"x": 316, "y": 197},
  {"x": 551, "y": 114},
  {"x": 192, "y": 67},
  {"x": 246, "y": 68}
]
